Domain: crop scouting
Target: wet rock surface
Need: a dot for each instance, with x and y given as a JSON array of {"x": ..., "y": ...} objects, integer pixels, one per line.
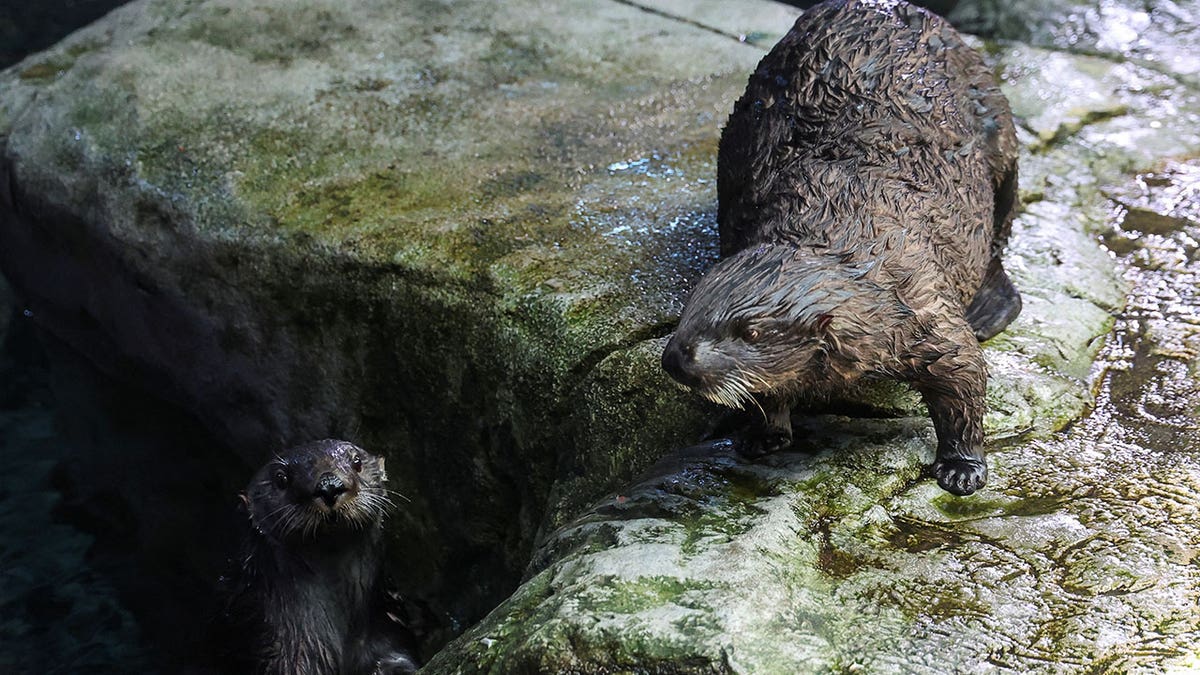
[
  {"x": 1079, "y": 557},
  {"x": 445, "y": 249},
  {"x": 458, "y": 236},
  {"x": 1080, "y": 554},
  {"x": 1149, "y": 34}
]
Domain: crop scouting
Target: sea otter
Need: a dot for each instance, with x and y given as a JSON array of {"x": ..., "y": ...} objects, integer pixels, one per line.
[
  {"x": 308, "y": 594},
  {"x": 866, "y": 187}
]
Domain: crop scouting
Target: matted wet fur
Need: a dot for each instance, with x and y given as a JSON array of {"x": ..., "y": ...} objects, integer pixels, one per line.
[
  {"x": 308, "y": 595},
  {"x": 867, "y": 183}
]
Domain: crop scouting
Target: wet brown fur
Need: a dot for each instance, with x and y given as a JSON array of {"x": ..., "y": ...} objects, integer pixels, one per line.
[{"x": 866, "y": 184}]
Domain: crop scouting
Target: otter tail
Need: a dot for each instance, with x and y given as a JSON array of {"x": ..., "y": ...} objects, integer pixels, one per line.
[{"x": 995, "y": 304}]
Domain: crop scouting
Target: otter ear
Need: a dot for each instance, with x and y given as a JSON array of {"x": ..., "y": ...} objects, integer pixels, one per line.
[
  {"x": 244, "y": 500},
  {"x": 823, "y": 322}
]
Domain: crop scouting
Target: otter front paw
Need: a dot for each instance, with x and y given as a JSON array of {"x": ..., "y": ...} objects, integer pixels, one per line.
[
  {"x": 756, "y": 443},
  {"x": 960, "y": 476}
]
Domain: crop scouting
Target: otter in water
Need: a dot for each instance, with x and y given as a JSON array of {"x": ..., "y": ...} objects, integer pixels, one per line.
[
  {"x": 310, "y": 593},
  {"x": 866, "y": 184}
]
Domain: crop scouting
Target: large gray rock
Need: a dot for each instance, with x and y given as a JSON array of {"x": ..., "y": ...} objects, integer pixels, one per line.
[
  {"x": 457, "y": 233},
  {"x": 837, "y": 561},
  {"x": 444, "y": 231}
]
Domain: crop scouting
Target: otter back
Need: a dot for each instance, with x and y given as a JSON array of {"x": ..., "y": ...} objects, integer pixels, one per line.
[
  {"x": 872, "y": 130},
  {"x": 866, "y": 182}
]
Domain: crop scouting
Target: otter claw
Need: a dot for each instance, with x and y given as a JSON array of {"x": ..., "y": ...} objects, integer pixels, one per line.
[{"x": 960, "y": 476}]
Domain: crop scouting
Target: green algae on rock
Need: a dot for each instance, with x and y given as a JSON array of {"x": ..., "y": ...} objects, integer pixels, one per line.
[
  {"x": 444, "y": 231},
  {"x": 907, "y": 579}
]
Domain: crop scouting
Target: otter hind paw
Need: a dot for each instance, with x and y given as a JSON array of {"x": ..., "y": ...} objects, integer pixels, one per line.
[{"x": 960, "y": 476}]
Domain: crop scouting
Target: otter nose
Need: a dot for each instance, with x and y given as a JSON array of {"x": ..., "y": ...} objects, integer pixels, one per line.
[
  {"x": 329, "y": 488},
  {"x": 676, "y": 360}
]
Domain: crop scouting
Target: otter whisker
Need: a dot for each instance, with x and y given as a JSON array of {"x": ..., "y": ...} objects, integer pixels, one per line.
[
  {"x": 379, "y": 503},
  {"x": 750, "y": 397},
  {"x": 282, "y": 515},
  {"x": 288, "y": 522},
  {"x": 761, "y": 381},
  {"x": 732, "y": 391},
  {"x": 267, "y": 518},
  {"x": 296, "y": 522},
  {"x": 393, "y": 492}
]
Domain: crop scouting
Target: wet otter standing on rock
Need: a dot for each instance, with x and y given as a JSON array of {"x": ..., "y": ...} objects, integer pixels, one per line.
[
  {"x": 867, "y": 182},
  {"x": 309, "y": 594}
]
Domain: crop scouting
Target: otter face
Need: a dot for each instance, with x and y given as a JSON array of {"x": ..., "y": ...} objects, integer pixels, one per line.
[
  {"x": 766, "y": 320},
  {"x": 316, "y": 488}
]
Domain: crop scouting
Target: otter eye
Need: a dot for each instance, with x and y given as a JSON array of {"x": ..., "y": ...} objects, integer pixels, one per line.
[
  {"x": 751, "y": 334},
  {"x": 281, "y": 479},
  {"x": 356, "y": 462}
]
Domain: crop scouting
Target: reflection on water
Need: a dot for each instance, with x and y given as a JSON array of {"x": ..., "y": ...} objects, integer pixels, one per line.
[{"x": 1151, "y": 397}]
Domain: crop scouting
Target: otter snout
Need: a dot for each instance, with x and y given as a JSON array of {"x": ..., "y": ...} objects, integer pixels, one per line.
[
  {"x": 679, "y": 360},
  {"x": 330, "y": 487}
]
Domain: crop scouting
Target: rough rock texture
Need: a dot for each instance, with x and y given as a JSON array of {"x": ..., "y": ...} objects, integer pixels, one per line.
[
  {"x": 440, "y": 231},
  {"x": 1080, "y": 557},
  {"x": 457, "y": 234}
]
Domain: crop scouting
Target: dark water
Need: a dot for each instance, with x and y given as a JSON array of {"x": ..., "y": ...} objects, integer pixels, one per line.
[
  {"x": 116, "y": 512},
  {"x": 27, "y": 26},
  {"x": 59, "y": 612},
  {"x": 109, "y": 551}
]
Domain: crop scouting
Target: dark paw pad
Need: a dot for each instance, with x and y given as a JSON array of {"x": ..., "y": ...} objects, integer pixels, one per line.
[{"x": 960, "y": 476}]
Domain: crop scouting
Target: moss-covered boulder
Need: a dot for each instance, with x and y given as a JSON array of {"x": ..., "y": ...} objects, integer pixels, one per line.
[
  {"x": 444, "y": 231},
  {"x": 842, "y": 559}
]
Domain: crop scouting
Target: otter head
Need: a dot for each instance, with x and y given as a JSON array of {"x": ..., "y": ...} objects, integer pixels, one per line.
[
  {"x": 775, "y": 320},
  {"x": 317, "y": 489}
]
